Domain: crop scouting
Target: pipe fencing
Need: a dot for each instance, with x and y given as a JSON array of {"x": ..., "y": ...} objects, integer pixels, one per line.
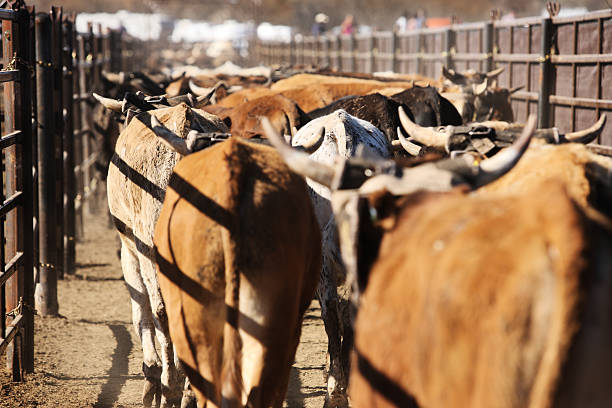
[
  {"x": 565, "y": 63},
  {"x": 49, "y": 148}
]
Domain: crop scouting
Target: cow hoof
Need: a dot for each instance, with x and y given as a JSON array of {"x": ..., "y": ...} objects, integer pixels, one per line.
[
  {"x": 188, "y": 400},
  {"x": 336, "y": 401},
  {"x": 151, "y": 391}
]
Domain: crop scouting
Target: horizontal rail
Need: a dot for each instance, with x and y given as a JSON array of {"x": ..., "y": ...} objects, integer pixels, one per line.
[
  {"x": 581, "y": 102},
  {"x": 464, "y": 56},
  {"x": 581, "y": 59},
  {"x": 11, "y": 267},
  {"x": 11, "y": 203},
  {"x": 525, "y": 96},
  {"x": 600, "y": 149},
  {"x": 9, "y": 76},
  {"x": 11, "y": 139},
  {"x": 13, "y": 329},
  {"x": 517, "y": 58}
]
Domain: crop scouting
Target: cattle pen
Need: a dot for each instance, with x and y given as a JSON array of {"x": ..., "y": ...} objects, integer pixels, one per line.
[{"x": 564, "y": 63}]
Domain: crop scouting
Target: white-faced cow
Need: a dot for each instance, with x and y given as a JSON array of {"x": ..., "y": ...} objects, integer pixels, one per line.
[
  {"x": 343, "y": 135},
  {"x": 136, "y": 183}
]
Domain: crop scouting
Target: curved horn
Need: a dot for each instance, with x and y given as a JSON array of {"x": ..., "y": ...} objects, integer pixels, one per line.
[
  {"x": 587, "y": 135},
  {"x": 299, "y": 162},
  {"x": 110, "y": 104},
  {"x": 501, "y": 163},
  {"x": 515, "y": 89},
  {"x": 314, "y": 143},
  {"x": 425, "y": 136},
  {"x": 453, "y": 76},
  {"x": 200, "y": 91},
  {"x": 411, "y": 148},
  {"x": 172, "y": 140},
  {"x": 114, "y": 78},
  {"x": 495, "y": 72}
]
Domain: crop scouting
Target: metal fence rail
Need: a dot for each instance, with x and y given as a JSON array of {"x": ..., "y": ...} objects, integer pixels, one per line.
[
  {"x": 16, "y": 211},
  {"x": 49, "y": 148},
  {"x": 565, "y": 64}
]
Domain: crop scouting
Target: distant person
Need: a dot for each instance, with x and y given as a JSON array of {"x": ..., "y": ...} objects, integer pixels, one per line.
[
  {"x": 420, "y": 18},
  {"x": 320, "y": 25},
  {"x": 347, "y": 25},
  {"x": 412, "y": 23},
  {"x": 401, "y": 24}
]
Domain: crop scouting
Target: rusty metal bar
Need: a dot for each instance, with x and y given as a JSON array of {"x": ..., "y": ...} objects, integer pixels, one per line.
[
  {"x": 9, "y": 76},
  {"x": 77, "y": 55},
  {"x": 46, "y": 293},
  {"x": 11, "y": 268}
]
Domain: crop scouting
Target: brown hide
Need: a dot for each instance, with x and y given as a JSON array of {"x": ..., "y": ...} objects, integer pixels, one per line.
[
  {"x": 571, "y": 163},
  {"x": 473, "y": 302},
  {"x": 240, "y": 97},
  {"x": 236, "y": 209},
  {"x": 244, "y": 119}
]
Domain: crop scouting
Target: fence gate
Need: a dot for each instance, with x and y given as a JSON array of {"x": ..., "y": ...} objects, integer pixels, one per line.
[{"x": 16, "y": 210}]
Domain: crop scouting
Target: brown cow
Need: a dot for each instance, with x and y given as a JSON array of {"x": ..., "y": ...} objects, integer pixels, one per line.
[
  {"x": 478, "y": 299},
  {"x": 238, "y": 251},
  {"x": 244, "y": 119}
]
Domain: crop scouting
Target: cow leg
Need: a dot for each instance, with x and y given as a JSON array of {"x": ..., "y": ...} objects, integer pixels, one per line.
[
  {"x": 142, "y": 319},
  {"x": 171, "y": 378},
  {"x": 328, "y": 299}
]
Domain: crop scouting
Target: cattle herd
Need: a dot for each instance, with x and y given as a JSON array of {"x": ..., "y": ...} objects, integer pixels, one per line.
[{"x": 460, "y": 259}]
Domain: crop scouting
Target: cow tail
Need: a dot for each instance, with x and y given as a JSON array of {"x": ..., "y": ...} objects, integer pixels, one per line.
[{"x": 231, "y": 374}]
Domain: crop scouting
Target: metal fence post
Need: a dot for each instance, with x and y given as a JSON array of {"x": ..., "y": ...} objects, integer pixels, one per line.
[
  {"x": 56, "y": 56},
  {"x": 78, "y": 59},
  {"x": 394, "y": 51},
  {"x": 68, "y": 170},
  {"x": 46, "y": 290},
  {"x": 26, "y": 239},
  {"x": 420, "y": 51},
  {"x": 546, "y": 74}
]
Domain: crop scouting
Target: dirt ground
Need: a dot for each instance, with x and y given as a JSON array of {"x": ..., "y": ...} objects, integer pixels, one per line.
[{"x": 90, "y": 356}]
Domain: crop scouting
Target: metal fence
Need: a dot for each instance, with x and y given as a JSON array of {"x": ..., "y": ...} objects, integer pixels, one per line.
[
  {"x": 565, "y": 64},
  {"x": 49, "y": 147}
]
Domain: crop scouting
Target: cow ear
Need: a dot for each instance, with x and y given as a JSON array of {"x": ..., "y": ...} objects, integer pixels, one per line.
[{"x": 228, "y": 122}]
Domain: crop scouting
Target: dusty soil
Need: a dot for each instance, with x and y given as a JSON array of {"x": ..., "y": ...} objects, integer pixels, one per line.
[{"x": 90, "y": 356}]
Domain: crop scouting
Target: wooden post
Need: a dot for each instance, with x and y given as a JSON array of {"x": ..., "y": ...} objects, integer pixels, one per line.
[
  {"x": 546, "y": 74},
  {"x": 394, "y": 51},
  {"x": 449, "y": 47},
  {"x": 68, "y": 170},
  {"x": 46, "y": 290},
  {"x": 489, "y": 44},
  {"x": 420, "y": 51}
]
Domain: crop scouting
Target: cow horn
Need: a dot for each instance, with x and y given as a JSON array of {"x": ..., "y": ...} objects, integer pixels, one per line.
[
  {"x": 453, "y": 76},
  {"x": 299, "y": 162},
  {"x": 172, "y": 140},
  {"x": 110, "y": 104},
  {"x": 423, "y": 135},
  {"x": 314, "y": 143},
  {"x": 516, "y": 89},
  {"x": 495, "y": 72},
  {"x": 114, "y": 78},
  {"x": 587, "y": 135},
  {"x": 410, "y": 147},
  {"x": 501, "y": 163},
  {"x": 201, "y": 91}
]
